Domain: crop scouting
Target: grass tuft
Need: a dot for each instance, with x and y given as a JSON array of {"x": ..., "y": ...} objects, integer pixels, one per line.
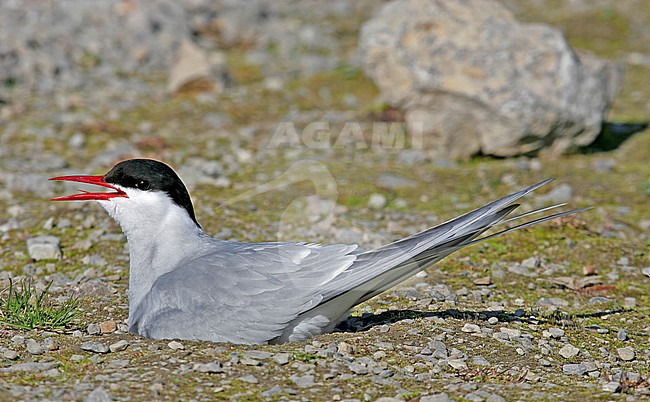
[{"x": 27, "y": 308}]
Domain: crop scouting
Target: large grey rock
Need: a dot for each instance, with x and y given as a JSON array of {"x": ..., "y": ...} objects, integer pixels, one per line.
[{"x": 472, "y": 79}]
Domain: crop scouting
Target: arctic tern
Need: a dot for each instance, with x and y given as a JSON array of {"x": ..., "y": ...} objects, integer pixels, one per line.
[{"x": 184, "y": 284}]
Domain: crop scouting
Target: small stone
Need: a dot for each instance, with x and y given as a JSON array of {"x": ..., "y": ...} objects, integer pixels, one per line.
[
  {"x": 358, "y": 368},
  {"x": 119, "y": 346},
  {"x": 247, "y": 361},
  {"x": 10, "y": 354},
  {"x": 621, "y": 335},
  {"x": 31, "y": 366},
  {"x": 44, "y": 248},
  {"x": 345, "y": 348},
  {"x": 119, "y": 363},
  {"x": 94, "y": 329},
  {"x": 214, "y": 367},
  {"x": 553, "y": 302},
  {"x": 555, "y": 333},
  {"x": 50, "y": 344},
  {"x": 626, "y": 353},
  {"x": 646, "y": 271},
  {"x": 439, "y": 349},
  {"x": 493, "y": 320},
  {"x": 574, "y": 369},
  {"x": 497, "y": 398},
  {"x": 377, "y": 201},
  {"x": 480, "y": 361},
  {"x": 77, "y": 358},
  {"x": 274, "y": 390},
  {"x": 108, "y": 327},
  {"x": 99, "y": 394},
  {"x": 471, "y": 328},
  {"x": 629, "y": 302},
  {"x": 258, "y": 354},
  {"x": 612, "y": 386},
  {"x": 34, "y": 347},
  {"x": 568, "y": 351},
  {"x": 442, "y": 397},
  {"x": 281, "y": 358},
  {"x": 95, "y": 347},
  {"x": 305, "y": 381},
  {"x": 457, "y": 364},
  {"x": 176, "y": 345},
  {"x": 531, "y": 376},
  {"x": 251, "y": 379},
  {"x": 484, "y": 281}
]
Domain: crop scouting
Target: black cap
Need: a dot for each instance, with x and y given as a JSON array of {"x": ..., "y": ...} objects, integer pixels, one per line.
[{"x": 152, "y": 175}]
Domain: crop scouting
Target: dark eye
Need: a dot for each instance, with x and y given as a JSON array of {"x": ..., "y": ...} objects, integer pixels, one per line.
[{"x": 142, "y": 185}]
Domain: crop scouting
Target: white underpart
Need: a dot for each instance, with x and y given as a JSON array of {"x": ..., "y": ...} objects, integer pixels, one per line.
[{"x": 159, "y": 234}]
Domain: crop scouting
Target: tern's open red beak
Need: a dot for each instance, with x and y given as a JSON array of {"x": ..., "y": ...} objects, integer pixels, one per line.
[{"x": 87, "y": 195}]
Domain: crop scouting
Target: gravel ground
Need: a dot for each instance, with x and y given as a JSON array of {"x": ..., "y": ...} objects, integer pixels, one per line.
[{"x": 557, "y": 312}]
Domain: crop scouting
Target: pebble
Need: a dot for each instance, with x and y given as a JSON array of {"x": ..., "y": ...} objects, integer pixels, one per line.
[
  {"x": 392, "y": 181},
  {"x": 119, "y": 346},
  {"x": 119, "y": 363},
  {"x": 247, "y": 361},
  {"x": 626, "y": 353},
  {"x": 471, "y": 328},
  {"x": 442, "y": 397},
  {"x": 345, "y": 348},
  {"x": 629, "y": 302},
  {"x": 44, "y": 248},
  {"x": 493, "y": 320},
  {"x": 176, "y": 345},
  {"x": 31, "y": 366},
  {"x": 10, "y": 354},
  {"x": 214, "y": 367},
  {"x": 555, "y": 333},
  {"x": 95, "y": 347},
  {"x": 621, "y": 335},
  {"x": 480, "y": 361},
  {"x": 377, "y": 201},
  {"x": 108, "y": 327},
  {"x": 574, "y": 369},
  {"x": 99, "y": 394},
  {"x": 568, "y": 351},
  {"x": 94, "y": 329},
  {"x": 612, "y": 386},
  {"x": 251, "y": 379},
  {"x": 457, "y": 364},
  {"x": 646, "y": 271},
  {"x": 281, "y": 358},
  {"x": 560, "y": 193},
  {"x": 358, "y": 368},
  {"x": 552, "y": 301},
  {"x": 304, "y": 381},
  {"x": 483, "y": 281},
  {"x": 34, "y": 347},
  {"x": 258, "y": 354},
  {"x": 50, "y": 344}
]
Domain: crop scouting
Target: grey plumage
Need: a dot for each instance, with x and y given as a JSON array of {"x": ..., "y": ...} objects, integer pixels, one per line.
[
  {"x": 185, "y": 284},
  {"x": 277, "y": 292}
]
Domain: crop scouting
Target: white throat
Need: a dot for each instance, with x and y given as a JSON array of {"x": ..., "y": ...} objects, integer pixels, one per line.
[{"x": 159, "y": 233}]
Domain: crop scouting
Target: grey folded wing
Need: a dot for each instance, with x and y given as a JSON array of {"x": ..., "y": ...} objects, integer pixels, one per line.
[{"x": 239, "y": 292}]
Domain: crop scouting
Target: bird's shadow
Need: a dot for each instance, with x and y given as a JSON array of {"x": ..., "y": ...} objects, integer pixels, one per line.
[{"x": 556, "y": 317}]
